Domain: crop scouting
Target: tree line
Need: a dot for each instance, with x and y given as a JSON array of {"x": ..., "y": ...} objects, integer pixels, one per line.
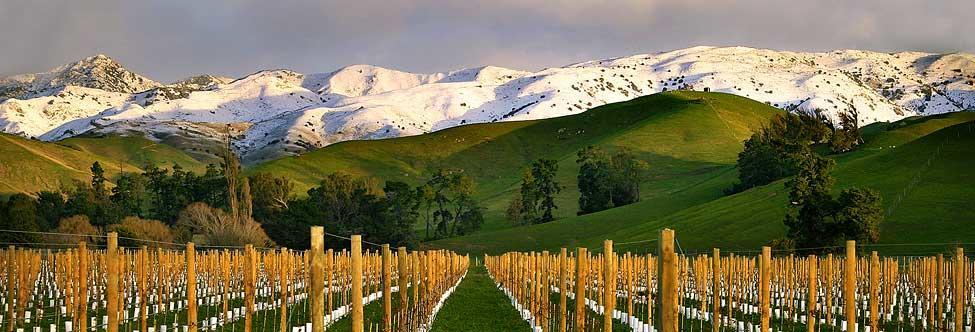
[
  {"x": 605, "y": 180},
  {"x": 221, "y": 207}
]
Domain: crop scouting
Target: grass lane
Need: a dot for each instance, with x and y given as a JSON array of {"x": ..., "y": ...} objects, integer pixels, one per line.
[{"x": 477, "y": 305}]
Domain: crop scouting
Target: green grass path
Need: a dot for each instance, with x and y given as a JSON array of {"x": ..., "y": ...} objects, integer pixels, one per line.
[{"x": 477, "y": 305}]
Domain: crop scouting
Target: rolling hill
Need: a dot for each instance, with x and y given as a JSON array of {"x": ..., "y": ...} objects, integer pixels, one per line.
[
  {"x": 29, "y": 166},
  {"x": 690, "y": 139},
  {"x": 921, "y": 166}
]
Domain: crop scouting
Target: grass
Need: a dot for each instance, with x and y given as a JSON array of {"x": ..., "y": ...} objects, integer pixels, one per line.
[
  {"x": 926, "y": 202},
  {"x": 477, "y": 305},
  {"x": 29, "y": 166}
]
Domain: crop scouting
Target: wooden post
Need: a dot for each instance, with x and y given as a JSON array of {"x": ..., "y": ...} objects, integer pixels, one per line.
[
  {"x": 82, "y": 287},
  {"x": 143, "y": 289},
  {"x": 317, "y": 279},
  {"x": 828, "y": 279},
  {"x": 667, "y": 282},
  {"x": 850, "y": 286},
  {"x": 959, "y": 288},
  {"x": 580, "y": 293},
  {"x": 111, "y": 287},
  {"x": 250, "y": 281},
  {"x": 11, "y": 287},
  {"x": 765, "y": 291},
  {"x": 284, "y": 274},
  {"x": 356, "y": 254},
  {"x": 813, "y": 285},
  {"x": 874, "y": 291},
  {"x": 939, "y": 323},
  {"x": 191, "y": 318},
  {"x": 387, "y": 290},
  {"x": 403, "y": 265},
  {"x": 609, "y": 289},
  {"x": 563, "y": 262},
  {"x": 716, "y": 285}
]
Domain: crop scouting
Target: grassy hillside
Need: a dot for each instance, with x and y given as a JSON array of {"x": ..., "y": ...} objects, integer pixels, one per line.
[
  {"x": 690, "y": 139},
  {"x": 29, "y": 166},
  {"x": 921, "y": 166}
]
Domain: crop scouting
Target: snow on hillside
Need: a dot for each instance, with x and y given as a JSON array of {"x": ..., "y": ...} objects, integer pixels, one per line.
[{"x": 281, "y": 112}]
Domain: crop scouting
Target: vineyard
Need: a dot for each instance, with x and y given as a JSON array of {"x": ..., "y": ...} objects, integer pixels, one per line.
[
  {"x": 671, "y": 292},
  {"x": 171, "y": 287},
  {"x": 168, "y": 287}
]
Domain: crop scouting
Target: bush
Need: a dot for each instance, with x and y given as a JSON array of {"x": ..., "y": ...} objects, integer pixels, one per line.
[
  {"x": 154, "y": 231},
  {"x": 78, "y": 225},
  {"x": 214, "y": 227}
]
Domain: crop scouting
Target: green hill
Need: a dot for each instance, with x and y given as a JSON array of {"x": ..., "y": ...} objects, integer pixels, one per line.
[
  {"x": 690, "y": 139},
  {"x": 30, "y": 166},
  {"x": 921, "y": 166}
]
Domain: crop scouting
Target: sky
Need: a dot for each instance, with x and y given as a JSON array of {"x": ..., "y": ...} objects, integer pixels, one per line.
[{"x": 171, "y": 39}]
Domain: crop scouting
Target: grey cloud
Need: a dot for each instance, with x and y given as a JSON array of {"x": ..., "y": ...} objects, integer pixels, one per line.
[{"x": 171, "y": 39}]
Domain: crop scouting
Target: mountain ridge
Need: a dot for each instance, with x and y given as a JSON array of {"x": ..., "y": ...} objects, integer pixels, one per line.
[{"x": 283, "y": 112}]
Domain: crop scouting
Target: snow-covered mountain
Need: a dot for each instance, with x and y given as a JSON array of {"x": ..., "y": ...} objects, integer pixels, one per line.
[{"x": 279, "y": 112}]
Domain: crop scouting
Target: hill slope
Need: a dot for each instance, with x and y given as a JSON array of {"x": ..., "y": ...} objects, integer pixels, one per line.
[
  {"x": 921, "y": 167},
  {"x": 29, "y": 166}
]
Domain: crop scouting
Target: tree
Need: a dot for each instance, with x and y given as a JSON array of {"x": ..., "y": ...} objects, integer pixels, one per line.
[
  {"x": 513, "y": 211},
  {"x": 822, "y": 221},
  {"x": 607, "y": 181},
  {"x": 50, "y": 209},
  {"x": 536, "y": 201},
  {"x": 860, "y": 214},
  {"x": 813, "y": 181},
  {"x": 773, "y": 152},
  {"x": 594, "y": 181},
  {"x": 628, "y": 173},
  {"x": 19, "y": 214},
  {"x": 98, "y": 181},
  {"x": 847, "y": 136},
  {"x": 131, "y": 195},
  {"x": 455, "y": 212},
  {"x": 402, "y": 210},
  {"x": 270, "y": 195},
  {"x": 427, "y": 195}
]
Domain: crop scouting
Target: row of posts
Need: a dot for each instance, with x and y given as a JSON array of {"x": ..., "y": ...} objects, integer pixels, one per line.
[
  {"x": 667, "y": 285},
  {"x": 318, "y": 284}
]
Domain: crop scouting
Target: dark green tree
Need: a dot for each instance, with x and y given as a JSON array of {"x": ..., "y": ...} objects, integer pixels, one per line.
[
  {"x": 594, "y": 180},
  {"x": 50, "y": 209},
  {"x": 19, "y": 214},
  {"x": 536, "y": 202},
  {"x": 628, "y": 173},
  {"x": 822, "y": 221},
  {"x": 131, "y": 195},
  {"x": 860, "y": 212},
  {"x": 98, "y": 181}
]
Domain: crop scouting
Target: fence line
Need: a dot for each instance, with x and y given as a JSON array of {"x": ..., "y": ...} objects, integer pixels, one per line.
[
  {"x": 227, "y": 289},
  {"x": 669, "y": 291}
]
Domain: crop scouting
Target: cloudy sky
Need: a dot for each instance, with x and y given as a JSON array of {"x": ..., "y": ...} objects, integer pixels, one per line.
[{"x": 172, "y": 39}]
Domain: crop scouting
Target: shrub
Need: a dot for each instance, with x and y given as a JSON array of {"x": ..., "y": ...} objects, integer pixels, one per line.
[
  {"x": 214, "y": 227},
  {"x": 154, "y": 231},
  {"x": 78, "y": 225}
]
